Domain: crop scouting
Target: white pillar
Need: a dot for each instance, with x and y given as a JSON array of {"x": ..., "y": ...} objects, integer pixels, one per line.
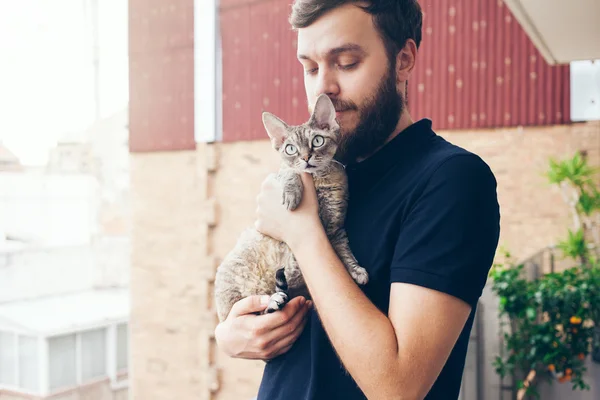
[
  {"x": 78, "y": 359},
  {"x": 17, "y": 362},
  {"x": 43, "y": 366},
  {"x": 111, "y": 353},
  {"x": 207, "y": 65}
]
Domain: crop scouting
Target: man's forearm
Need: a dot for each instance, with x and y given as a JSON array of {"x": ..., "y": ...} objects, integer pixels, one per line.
[{"x": 363, "y": 336}]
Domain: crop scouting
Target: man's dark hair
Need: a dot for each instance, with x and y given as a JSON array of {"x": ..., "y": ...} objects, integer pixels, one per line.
[{"x": 396, "y": 20}]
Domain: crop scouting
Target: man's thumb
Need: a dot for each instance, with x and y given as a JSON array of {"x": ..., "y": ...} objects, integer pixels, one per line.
[
  {"x": 308, "y": 183},
  {"x": 249, "y": 305}
]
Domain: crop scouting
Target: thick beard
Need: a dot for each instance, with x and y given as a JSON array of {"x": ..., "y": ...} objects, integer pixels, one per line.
[{"x": 378, "y": 119}]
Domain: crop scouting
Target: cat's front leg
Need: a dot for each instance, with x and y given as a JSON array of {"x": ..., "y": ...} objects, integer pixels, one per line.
[
  {"x": 281, "y": 297},
  {"x": 339, "y": 241},
  {"x": 292, "y": 189}
]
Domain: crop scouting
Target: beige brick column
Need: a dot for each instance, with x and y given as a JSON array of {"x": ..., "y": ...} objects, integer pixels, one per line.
[{"x": 167, "y": 284}]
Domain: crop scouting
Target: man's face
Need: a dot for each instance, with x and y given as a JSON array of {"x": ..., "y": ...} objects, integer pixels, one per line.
[{"x": 344, "y": 57}]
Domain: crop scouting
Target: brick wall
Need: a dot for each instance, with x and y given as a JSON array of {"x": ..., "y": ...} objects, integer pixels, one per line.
[
  {"x": 241, "y": 168},
  {"x": 168, "y": 289},
  {"x": 188, "y": 208}
]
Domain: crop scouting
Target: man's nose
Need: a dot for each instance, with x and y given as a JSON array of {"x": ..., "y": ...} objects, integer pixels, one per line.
[{"x": 327, "y": 84}]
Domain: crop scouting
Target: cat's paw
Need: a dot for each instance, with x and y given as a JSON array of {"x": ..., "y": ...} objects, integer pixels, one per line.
[
  {"x": 277, "y": 302},
  {"x": 360, "y": 275},
  {"x": 292, "y": 199}
]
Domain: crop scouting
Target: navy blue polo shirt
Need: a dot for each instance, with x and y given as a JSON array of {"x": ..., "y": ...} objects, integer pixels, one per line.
[{"x": 422, "y": 211}]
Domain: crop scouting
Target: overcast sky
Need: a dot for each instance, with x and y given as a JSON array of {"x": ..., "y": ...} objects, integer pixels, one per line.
[{"x": 46, "y": 71}]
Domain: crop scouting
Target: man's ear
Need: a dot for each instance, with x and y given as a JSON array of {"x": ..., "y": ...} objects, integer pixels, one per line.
[{"x": 405, "y": 64}]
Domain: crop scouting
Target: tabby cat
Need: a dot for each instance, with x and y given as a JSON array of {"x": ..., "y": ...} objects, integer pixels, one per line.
[{"x": 259, "y": 264}]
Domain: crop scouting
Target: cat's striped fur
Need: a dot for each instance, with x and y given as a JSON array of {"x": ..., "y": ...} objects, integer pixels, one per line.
[{"x": 261, "y": 265}]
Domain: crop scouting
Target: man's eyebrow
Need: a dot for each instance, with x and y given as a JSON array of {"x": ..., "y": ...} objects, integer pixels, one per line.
[{"x": 348, "y": 47}]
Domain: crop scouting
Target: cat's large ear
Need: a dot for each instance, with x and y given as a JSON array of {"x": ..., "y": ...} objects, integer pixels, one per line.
[
  {"x": 276, "y": 129},
  {"x": 323, "y": 116}
]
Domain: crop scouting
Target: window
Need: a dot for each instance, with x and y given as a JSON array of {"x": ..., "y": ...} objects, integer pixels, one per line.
[
  {"x": 122, "y": 347},
  {"x": 28, "y": 363},
  {"x": 67, "y": 361},
  {"x": 93, "y": 354},
  {"x": 585, "y": 90},
  {"x": 8, "y": 344},
  {"x": 62, "y": 361}
]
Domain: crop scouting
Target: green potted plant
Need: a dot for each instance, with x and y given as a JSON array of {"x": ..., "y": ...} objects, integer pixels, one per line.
[
  {"x": 579, "y": 185},
  {"x": 553, "y": 320}
]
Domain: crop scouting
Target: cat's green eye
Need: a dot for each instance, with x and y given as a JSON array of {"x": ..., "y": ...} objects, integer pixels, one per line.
[
  {"x": 318, "y": 141},
  {"x": 290, "y": 149}
]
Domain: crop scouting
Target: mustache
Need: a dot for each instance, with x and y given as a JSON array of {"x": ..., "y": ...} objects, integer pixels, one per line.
[
  {"x": 343, "y": 105},
  {"x": 340, "y": 105}
]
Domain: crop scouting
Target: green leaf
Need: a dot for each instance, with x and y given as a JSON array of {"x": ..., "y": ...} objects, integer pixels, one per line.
[
  {"x": 576, "y": 171},
  {"x": 574, "y": 246},
  {"x": 588, "y": 203},
  {"x": 503, "y": 301}
]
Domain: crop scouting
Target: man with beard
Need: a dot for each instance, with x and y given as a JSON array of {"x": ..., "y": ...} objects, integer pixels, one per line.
[{"x": 423, "y": 219}]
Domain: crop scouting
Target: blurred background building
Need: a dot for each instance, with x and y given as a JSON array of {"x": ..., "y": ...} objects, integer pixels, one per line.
[
  {"x": 133, "y": 148},
  {"x": 64, "y": 200}
]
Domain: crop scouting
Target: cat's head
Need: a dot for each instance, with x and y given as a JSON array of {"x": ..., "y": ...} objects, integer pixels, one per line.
[{"x": 309, "y": 147}]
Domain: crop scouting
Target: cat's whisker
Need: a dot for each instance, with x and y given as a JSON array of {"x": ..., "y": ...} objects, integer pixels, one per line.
[{"x": 336, "y": 161}]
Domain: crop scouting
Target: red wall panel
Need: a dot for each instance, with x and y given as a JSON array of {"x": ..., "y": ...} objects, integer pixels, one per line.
[
  {"x": 161, "y": 75},
  {"x": 476, "y": 68},
  {"x": 260, "y": 71},
  {"x": 483, "y": 70}
]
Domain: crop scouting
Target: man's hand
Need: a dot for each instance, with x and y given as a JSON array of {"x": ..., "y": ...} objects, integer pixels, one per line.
[
  {"x": 275, "y": 220},
  {"x": 246, "y": 335}
]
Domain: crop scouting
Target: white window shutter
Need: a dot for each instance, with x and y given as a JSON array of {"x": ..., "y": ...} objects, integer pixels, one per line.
[{"x": 585, "y": 90}]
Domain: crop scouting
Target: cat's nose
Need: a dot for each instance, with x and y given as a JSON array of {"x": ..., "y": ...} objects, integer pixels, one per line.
[{"x": 305, "y": 158}]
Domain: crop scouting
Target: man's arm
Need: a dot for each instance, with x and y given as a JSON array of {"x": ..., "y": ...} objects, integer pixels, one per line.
[{"x": 398, "y": 357}]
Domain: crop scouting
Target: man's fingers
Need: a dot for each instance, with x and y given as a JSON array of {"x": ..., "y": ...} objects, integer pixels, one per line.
[
  {"x": 308, "y": 183},
  {"x": 249, "y": 305},
  {"x": 286, "y": 343},
  {"x": 269, "y": 322},
  {"x": 291, "y": 338},
  {"x": 289, "y": 329}
]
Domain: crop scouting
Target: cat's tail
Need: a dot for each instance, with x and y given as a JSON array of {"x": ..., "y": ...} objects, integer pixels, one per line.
[{"x": 280, "y": 281}]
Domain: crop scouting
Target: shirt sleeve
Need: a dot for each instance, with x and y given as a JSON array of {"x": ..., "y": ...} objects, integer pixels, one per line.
[{"x": 449, "y": 237}]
